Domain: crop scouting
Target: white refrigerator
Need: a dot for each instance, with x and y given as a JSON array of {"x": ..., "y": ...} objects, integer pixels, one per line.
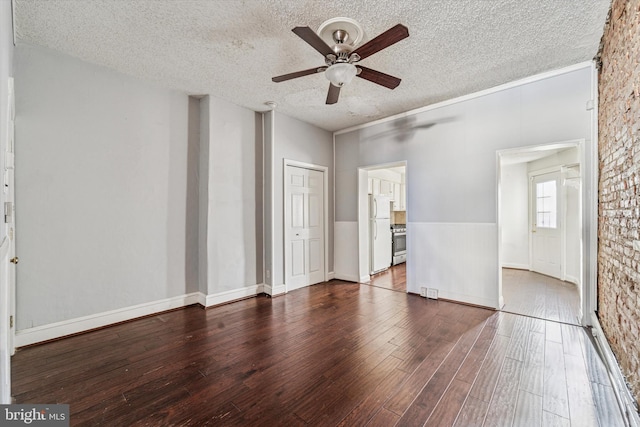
[{"x": 379, "y": 233}]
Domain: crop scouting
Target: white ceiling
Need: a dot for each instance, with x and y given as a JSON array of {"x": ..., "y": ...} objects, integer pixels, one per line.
[{"x": 231, "y": 49}]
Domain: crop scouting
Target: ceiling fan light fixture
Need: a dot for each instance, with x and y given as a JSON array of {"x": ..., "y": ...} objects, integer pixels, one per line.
[{"x": 341, "y": 73}]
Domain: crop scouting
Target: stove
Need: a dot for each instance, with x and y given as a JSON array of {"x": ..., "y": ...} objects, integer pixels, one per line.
[{"x": 399, "y": 243}]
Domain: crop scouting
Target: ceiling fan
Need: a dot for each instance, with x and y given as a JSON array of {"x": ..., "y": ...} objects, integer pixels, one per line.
[{"x": 342, "y": 59}]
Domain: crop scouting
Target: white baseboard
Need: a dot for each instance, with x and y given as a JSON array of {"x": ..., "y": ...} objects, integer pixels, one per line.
[
  {"x": 331, "y": 275},
  {"x": 515, "y": 266},
  {"x": 469, "y": 299},
  {"x": 81, "y": 324},
  {"x": 278, "y": 290},
  {"x": 347, "y": 277},
  {"x": 622, "y": 392},
  {"x": 73, "y": 326},
  {"x": 572, "y": 279},
  {"x": 229, "y": 296},
  {"x": 365, "y": 279}
]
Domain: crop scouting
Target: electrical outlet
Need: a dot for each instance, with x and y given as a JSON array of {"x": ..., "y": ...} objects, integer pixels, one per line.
[
  {"x": 432, "y": 293},
  {"x": 423, "y": 292}
]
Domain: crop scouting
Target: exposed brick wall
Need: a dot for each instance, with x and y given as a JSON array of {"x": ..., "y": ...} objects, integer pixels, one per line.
[{"x": 619, "y": 187}]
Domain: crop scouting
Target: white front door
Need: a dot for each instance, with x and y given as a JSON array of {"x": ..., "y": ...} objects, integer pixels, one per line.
[
  {"x": 546, "y": 235},
  {"x": 304, "y": 227},
  {"x": 7, "y": 257}
]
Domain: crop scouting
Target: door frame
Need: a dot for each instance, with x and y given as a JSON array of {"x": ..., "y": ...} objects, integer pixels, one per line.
[
  {"x": 363, "y": 218},
  {"x": 588, "y": 221},
  {"x": 287, "y": 217},
  {"x": 7, "y": 250}
]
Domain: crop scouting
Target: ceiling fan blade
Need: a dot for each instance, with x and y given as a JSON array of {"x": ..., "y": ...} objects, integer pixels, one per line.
[
  {"x": 297, "y": 74},
  {"x": 384, "y": 40},
  {"x": 425, "y": 126},
  {"x": 333, "y": 94},
  {"x": 378, "y": 77},
  {"x": 314, "y": 40}
]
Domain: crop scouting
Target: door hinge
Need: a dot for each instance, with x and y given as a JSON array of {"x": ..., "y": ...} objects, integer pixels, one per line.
[
  {"x": 11, "y": 321},
  {"x": 8, "y": 212}
]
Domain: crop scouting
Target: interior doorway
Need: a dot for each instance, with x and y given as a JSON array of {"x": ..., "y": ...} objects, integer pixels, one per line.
[
  {"x": 382, "y": 225},
  {"x": 540, "y": 241}
]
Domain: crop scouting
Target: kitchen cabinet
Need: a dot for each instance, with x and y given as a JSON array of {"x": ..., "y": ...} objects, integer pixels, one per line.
[
  {"x": 386, "y": 187},
  {"x": 375, "y": 186},
  {"x": 396, "y": 197},
  {"x": 403, "y": 197}
]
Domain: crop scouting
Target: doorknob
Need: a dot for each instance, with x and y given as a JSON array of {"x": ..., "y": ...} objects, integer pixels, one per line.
[{"x": 14, "y": 260}]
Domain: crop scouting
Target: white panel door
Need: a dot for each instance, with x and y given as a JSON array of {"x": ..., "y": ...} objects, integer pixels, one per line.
[
  {"x": 304, "y": 248},
  {"x": 546, "y": 232},
  {"x": 7, "y": 257}
]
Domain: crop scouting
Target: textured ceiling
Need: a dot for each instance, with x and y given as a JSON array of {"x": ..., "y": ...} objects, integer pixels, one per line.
[{"x": 231, "y": 49}]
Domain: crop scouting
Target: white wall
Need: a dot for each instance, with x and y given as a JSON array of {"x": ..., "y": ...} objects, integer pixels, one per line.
[
  {"x": 451, "y": 175},
  {"x": 515, "y": 215},
  {"x": 302, "y": 142},
  {"x": 101, "y": 189}
]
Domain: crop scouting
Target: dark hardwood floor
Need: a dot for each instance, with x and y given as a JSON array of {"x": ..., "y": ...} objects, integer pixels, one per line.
[
  {"x": 533, "y": 294},
  {"x": 395, "y": 278},
  {"x": 332, "y": 354}
]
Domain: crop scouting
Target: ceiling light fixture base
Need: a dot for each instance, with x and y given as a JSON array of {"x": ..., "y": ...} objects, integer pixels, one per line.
[{"x": 341, "y": 31}]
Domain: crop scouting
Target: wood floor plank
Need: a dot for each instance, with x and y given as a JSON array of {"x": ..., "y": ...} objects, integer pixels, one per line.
[
  {"x": 553, "y": 332},
  {"x": 606, "y": 405},
  {"x": 518, "y": 344},
  {"x": 504, "y": 400},
  {"x": 596, "y": 368},
  {"x": 581, "y": 406},
  {"x": 533, "y": 294},
  {"x": 365, "y": 410},
  {"x": 384, "y": 418},
  {"x": 472, "y": 364},
  {"x": 336, "y": 353},
  {"x": 448, "y": 407},
  {"x": 425, "y": 402},
  {"x": 472, "y": 413},
  {"x": 408, "y": 391},
  {"x": 549, "y": 419},
  {"x": 528, "y": 410},
  {"x": 555, "y": 399},
  {"x": 532, "y": 378},
  {"x": 488, "y": 376}
]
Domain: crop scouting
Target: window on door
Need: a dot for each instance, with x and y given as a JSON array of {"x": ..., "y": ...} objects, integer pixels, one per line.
[{"x": 546, "y": 204}]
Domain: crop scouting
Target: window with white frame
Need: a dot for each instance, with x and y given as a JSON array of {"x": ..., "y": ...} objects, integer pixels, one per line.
[{"x": 546, "y": 204}]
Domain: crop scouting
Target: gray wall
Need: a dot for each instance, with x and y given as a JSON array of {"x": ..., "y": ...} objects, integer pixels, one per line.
[
  {"x": 234, "y": 226},
  {"x": 268, "y": 196},
  {"x": 299, "y": 141},
  {"x": 101, "y": 188},
  {"x": 451, "y": 175}
]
